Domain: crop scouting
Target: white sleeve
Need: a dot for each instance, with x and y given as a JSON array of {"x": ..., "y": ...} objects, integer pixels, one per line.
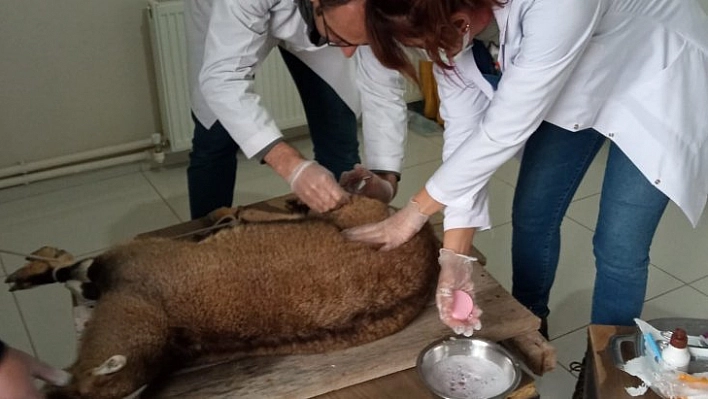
[
  {"x": 555, "y": 33},
  {"x": 384, "y": 112},
  {"x": 463, "y": 108},
  {"x": 237, "y": 41}
]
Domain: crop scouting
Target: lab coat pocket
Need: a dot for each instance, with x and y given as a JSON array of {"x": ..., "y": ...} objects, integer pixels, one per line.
[{"x": 665, "y": 103}]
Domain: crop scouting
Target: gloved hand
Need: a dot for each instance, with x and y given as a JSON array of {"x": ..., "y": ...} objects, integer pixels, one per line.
[
  {"x": 455, "y": 293},
  {"x": 316, "y": 187},
  {"x": 392, "y": 232},
  {"x": 17, "y": 373},
  {"x": 363, "y": 181}
]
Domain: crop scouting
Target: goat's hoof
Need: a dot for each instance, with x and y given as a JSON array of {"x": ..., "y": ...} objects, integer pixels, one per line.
[
  {"x": 31, "y": 275},
  {"x": 40, "y": 268}
]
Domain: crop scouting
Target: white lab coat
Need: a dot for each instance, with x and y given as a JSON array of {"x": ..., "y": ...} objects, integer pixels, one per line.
[
  {"x": 228, "y": 39},
  {"x": 634, "y": 70}
]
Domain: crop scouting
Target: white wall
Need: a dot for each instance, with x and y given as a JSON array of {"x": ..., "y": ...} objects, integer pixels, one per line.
[{"x": 74, "y": 75}]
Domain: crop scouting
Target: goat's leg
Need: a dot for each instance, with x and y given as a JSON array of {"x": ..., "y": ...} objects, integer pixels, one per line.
[
  {"x": 124, "y": 347},
  {"x": 63, "y": 269},
  {"x": 40, "y": 269}
]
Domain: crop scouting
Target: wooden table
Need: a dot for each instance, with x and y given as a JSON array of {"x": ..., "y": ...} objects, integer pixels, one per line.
[
  {"x": 406, "y": 384},
  {"x": 374, "y": 370}
]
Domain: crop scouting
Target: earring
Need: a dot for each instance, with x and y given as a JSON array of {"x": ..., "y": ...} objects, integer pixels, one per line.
[{"x": 466, "y": 28}]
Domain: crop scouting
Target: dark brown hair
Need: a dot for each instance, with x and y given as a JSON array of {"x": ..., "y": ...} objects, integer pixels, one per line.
[{"x": 391, "y": 24}]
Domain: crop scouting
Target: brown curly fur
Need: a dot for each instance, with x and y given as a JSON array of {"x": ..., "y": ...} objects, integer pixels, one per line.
[{"x": 255, "y": 289}]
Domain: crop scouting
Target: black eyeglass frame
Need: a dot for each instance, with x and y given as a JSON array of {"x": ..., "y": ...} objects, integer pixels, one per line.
[{"x": 328, "y": 30}]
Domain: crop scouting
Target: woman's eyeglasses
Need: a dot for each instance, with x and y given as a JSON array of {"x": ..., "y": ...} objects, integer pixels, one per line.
[{"x": 332, "y": 39}]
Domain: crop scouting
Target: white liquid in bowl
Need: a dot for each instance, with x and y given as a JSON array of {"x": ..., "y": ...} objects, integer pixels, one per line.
[{"x": 462, "y": 377}]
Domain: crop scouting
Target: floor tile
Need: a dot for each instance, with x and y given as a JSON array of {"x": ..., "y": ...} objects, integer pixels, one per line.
[
  {"x": 258, "y": 188},
  {"x": 82, "y": 219},
  {"x": 571, "y": 347},
  {"x": 660, "y": 282},
  {"x": 678, "y": 248},
  {"x": 575, "y": 277},
  {"x": 13, "y": 330},
  {"x": 683, "y": 302},
  {"x": 592, "y": 181},
  {"x": 420, "y": 150},
  {"x": 64, "y": 182},
  {"x": 47, "y": 312},
  {"x": 168, "y": 181},
  {"x": 501, "y": 198},
  {"x": 412, "y": 180},
  {"x": 558, "y": 384},
  {"x": 171, "y": 185},
  {"x": 701, "y": 285},
  {"x": 508, "y": 172},
  {"x": 584, "y": 211},
  {"x": 423, "y": 126}
]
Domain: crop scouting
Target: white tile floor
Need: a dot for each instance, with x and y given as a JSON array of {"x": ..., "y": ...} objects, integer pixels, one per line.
[{"x": 87, "y": 213}]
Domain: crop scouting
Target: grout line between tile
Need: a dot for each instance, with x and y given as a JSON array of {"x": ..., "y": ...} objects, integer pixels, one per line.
[
  {"x": 77, "y": 184},
  {"x": 697, "y": 290},
  {"x": 577, "y": 199},
  {"x": 667, "y": 292},
  {"x": 664, "y": 270},
  {"x": 503, "y": 181},
  {"x": 495, "y": 226},
  {"x": 24, "y": 325},
  {"x": 579, "y": 223},
  {"x": 570, "y": 332},
  {"x": 159, "y": 194}
]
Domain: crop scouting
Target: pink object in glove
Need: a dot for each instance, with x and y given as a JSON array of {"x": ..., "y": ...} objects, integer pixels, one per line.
[{"x": 462, "y": 305}]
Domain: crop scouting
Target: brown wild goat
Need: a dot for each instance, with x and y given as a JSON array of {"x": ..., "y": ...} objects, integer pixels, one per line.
[{"x": 269, "y": 288}]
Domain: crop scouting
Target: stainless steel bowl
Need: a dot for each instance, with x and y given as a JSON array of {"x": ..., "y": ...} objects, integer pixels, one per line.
[{"x": 468, "y": 368}]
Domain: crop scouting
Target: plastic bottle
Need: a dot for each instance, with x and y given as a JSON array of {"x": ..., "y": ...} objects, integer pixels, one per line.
[{"x": 676, "y": 355}]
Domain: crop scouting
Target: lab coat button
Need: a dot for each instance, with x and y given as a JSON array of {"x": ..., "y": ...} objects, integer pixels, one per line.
[
  {"x": 576, "y": 126},
  {"x": 611, "y": 135},
  {"x": 657, "y": 181}
]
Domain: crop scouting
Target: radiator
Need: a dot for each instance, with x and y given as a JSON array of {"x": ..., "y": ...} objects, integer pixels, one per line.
[{"x": 273, "y": 82}]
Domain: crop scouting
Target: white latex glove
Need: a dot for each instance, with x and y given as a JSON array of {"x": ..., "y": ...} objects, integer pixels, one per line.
[
  {"x": 316, "y": 187},
  {"x": 455, "y": 293},
  {"x": 363, "y": 181},
  {"x": 18, "y": 371},
  {"x": 392, "y": 232}
]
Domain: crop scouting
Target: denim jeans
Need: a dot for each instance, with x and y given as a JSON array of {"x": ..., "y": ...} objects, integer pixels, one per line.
[
  {"x": 211, "y": 175},
  {"x": 553, "y": 164}
]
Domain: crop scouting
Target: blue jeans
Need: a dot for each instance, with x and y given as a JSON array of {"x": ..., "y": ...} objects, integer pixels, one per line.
[
  {"x": 211, "y": 175},
  {"x": 554, "y": 162}
]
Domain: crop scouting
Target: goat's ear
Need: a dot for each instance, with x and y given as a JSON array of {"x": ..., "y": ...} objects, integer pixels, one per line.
[{"x": 114, "y": 364}]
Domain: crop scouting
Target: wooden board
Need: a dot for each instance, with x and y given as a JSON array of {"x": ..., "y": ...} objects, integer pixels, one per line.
[{"x": 306, "y": 376}]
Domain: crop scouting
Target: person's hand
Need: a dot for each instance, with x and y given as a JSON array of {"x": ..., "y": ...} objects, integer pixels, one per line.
[
  {"x": 363, "y": 181},
  {"x": 392, "y": 232},
  {"x": 316, "y": 187},
  {"x": 17, "y": 373},
  {"x": 455, "y": 293}
]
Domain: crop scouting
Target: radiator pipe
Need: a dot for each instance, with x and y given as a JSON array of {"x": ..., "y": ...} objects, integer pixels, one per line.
[
  {"x": 26, "y": 168},
  {"x": 77, "y": 168}
]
